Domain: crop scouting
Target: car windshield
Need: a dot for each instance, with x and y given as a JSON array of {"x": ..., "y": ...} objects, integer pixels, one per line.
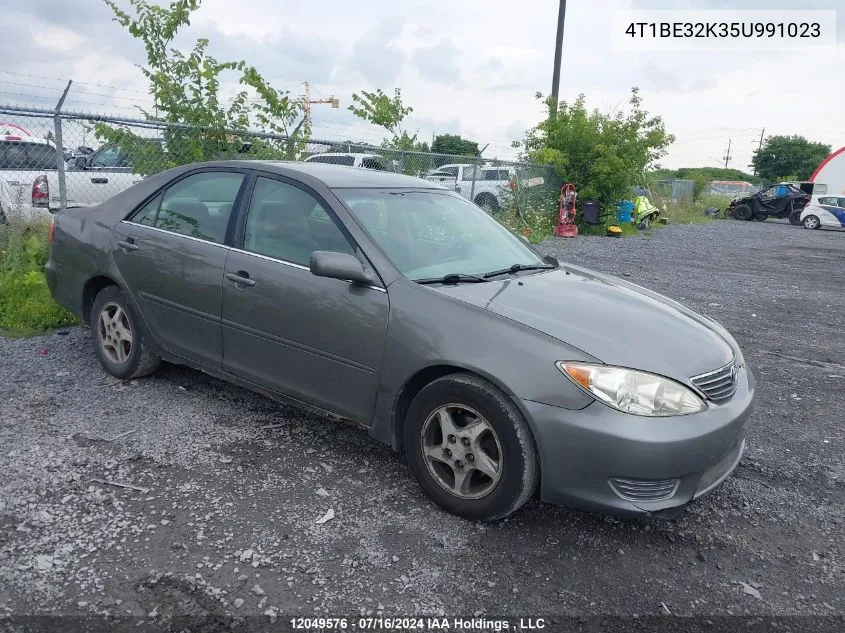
[{"x": 431, "y": 234}]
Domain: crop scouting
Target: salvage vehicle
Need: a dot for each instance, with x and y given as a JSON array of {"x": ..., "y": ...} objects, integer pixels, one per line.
[
  {"x": 486, "y": 185},
  {"x": 399, "y": 305},
  {"x": 827, "y": 211},
  {"x": 783, "y": 200}
]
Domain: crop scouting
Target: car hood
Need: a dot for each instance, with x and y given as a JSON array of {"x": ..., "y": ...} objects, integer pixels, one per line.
[{"x": 614, "y": 321}]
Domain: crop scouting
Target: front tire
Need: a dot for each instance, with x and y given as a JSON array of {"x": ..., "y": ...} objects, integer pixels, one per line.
[
  {"x": 119, "y": 337},
  {"x": 742, "y": 212},
  {"x": 470, "y": 448},
  {"x": 812, "y": 222}
]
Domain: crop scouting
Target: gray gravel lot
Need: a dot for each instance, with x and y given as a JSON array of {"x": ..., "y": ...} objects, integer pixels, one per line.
[{"x": 222, "y": 522}]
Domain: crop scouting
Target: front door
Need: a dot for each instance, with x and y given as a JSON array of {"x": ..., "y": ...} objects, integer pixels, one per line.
[
  {"x": 172, "y": 253},
  {"x": 316, "y": 339}
]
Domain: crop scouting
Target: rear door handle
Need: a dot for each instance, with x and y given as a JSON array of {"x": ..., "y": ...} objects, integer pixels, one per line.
[
  {"x": 100, "y": 181},
  {"x": 128, "y": 244},
  {"x": 241, "y": 278}
]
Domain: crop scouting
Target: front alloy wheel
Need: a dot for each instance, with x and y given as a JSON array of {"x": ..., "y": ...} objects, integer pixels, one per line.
[
  {"x": 470, "y": 448},
  {"x": 462, "y": 451}
]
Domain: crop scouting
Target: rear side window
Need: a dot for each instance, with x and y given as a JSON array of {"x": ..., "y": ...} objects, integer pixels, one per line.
[
  {"x": 374, "y": 162},
  {"x": 197, "y": 206},
  {"x": 23, "y": 155},
  {"x": 828, "y": 201}
]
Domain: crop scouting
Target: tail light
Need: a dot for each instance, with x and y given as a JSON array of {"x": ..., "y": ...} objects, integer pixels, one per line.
[
  {"x": 51, "y": 234},
  {"x": 41, "y": 192}
]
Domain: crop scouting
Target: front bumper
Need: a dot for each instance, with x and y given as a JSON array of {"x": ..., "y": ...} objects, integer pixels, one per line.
[{"x": 602, "y": 460}]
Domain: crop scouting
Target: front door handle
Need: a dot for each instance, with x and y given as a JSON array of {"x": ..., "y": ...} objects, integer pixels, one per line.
[
  {"x": 100, "y": 181},
  {"x": 241, "y": 278},
  {"x": 128, "y": 244}
]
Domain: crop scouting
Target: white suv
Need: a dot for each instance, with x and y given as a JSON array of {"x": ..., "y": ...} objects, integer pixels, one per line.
[{"x": 491, "y": 183}]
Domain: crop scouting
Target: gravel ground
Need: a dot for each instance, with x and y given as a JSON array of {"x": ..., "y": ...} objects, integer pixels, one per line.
[{"x": 221, "y": 521}]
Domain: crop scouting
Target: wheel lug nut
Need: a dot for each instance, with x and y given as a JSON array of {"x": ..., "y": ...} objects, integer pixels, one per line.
[
  {"x": 465, "y": 441},
  {"x": 452, "y": 439},
  {"x": 459, "y": 464},
  {"x": 470, "y": 457},
  {"x": 447, "y": 452}
]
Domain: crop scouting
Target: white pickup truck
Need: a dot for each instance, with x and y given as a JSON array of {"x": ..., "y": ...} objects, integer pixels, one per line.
[
  {"x": 29, "y": 180},
  {"x": 491, "y": 183}
]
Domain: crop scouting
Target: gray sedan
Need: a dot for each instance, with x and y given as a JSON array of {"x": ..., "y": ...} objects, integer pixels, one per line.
[{"x": 400, "y": 306}]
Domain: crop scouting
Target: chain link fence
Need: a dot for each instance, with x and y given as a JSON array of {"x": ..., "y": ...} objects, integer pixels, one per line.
[{"x": 50, "y": 161}]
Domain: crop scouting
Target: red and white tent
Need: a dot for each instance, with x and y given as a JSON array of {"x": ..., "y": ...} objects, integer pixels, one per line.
[{"x": 831, "y": 173}]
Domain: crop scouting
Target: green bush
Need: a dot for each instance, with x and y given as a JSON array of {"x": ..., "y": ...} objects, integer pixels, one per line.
[{"x": 26, "y": 307}]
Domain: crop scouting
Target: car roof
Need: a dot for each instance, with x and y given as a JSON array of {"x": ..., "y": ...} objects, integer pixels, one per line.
[{"x": 336, "y": 176}]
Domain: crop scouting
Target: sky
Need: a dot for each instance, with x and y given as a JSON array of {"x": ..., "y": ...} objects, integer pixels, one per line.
[{"x": 468, "y": 71}]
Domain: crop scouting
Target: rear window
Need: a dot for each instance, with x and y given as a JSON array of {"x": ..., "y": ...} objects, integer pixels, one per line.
[
  {"x": 348, "y": 161},
  {"x": 23, "y": 155}
]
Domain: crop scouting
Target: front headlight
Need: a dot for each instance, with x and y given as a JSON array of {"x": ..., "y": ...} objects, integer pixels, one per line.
[{"x": 634, "y": 392}]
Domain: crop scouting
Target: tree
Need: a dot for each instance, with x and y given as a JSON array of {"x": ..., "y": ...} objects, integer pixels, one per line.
[
  {"x": 186, "y": 90},
  {"x": 788, "y": 158},
  {"x": 604, "y": 155},
  {"x": 455, "y": 145},
  {"x": 387, "y": 112}
]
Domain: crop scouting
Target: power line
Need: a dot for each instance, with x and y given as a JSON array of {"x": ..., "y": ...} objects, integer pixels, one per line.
[{"x": 85, "y": 83}]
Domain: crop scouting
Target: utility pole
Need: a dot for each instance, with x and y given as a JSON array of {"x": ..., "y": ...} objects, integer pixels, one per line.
[
  {"x": 759, "y": 148},
  {"x": 727, "y": 156},
  {"x": 308, "y": 101},
  {"x": 561, "y": 15}
]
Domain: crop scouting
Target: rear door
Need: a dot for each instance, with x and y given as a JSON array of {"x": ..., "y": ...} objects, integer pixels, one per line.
[
  {"x": 316, "y": 339},
  {"x": 172, "y": 251}
]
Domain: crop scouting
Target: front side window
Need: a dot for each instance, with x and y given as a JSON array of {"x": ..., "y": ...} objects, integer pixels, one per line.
[
  {"x": 197, "y": 206},
  {"x": 107, "y": 157},
  {"x": 287, "y": 223},
  {"x": 429, "y": 234}
]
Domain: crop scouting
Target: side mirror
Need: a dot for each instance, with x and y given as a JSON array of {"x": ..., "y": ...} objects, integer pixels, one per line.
[
  {"x": 339, "y": 266},
  {"x": 80, "y": 162}
]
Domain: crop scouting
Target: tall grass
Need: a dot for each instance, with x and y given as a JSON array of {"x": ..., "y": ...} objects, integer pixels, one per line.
[{"x": 26, "y": 307}]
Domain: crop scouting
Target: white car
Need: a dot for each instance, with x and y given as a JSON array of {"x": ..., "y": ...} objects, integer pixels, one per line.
[
  {"x": 352, "y": 159},
  {"x": 490, "y": 185},
  {"x": 826, "y": 211}
]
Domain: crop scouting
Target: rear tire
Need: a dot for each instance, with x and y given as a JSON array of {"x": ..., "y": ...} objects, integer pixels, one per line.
[
  {"x": 119, "y": 336},
  {"x": 812, "y": 222},
  {"x": 488, "y": 203},
  {"x": 458, "y": 429},
  {"x": 795, "y": 217}
]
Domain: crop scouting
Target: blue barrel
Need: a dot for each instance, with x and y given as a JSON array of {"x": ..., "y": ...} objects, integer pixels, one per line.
[{"x": 624, "y": 210}]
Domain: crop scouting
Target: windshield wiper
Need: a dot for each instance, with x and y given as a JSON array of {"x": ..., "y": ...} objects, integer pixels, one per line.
[
  {"x": 517, "y": 268},
  {"x": 453, "y": 278}
]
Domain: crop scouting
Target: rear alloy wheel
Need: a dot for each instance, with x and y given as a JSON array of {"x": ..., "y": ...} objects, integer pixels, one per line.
[
  {"x": 811, "y": 222},
  {"x": 470, "y": 449},
  {"x": 119, "y": 336},
  {"x": 742, "y": 212}
]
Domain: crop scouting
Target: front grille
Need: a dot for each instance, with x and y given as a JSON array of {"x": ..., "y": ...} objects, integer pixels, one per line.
[
  {"x": 644, "y": 489},
  {"x": 719, "y": 385}
]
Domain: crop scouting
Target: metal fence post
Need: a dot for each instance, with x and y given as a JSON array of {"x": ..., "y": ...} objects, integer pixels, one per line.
[
  {"x": 60, "y": 152},
  {"x": 474, "y": 176}
]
